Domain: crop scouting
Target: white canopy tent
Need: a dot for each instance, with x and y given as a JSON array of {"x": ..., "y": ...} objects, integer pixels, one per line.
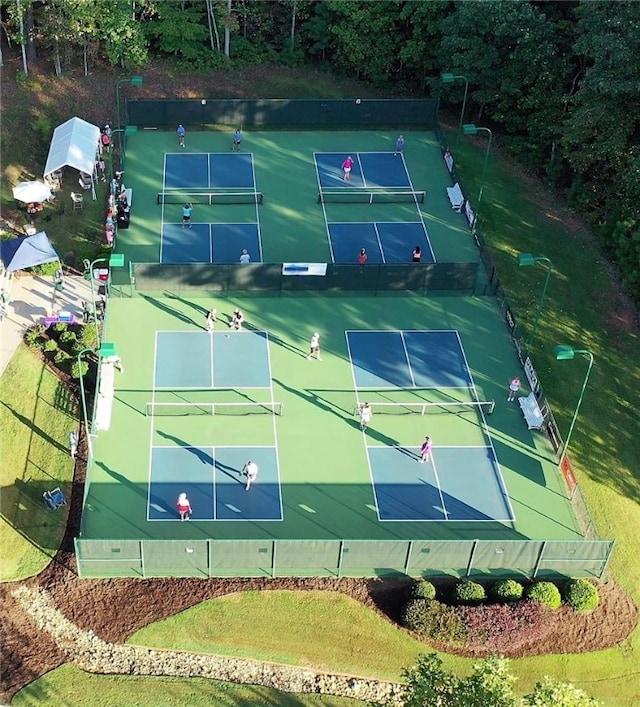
[{"x": 74, "y": 144}]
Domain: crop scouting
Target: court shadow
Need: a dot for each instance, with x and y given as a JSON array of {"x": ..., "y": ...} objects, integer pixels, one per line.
[
  {"x": 525, "y": 464},
  {"x": 316, "y": 400},
  {"x": 199, "y": 309},
  {"x": 230, "y": 471},
  {"x": 197, "y": 451},
  {"x": 169, "y": 310},
  {"x": 34, "y": 428}
]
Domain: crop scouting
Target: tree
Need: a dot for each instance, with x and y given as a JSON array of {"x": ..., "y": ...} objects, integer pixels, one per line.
[
  {"x": 548, "y": 693},
  {"x": 490, "y": 683}
]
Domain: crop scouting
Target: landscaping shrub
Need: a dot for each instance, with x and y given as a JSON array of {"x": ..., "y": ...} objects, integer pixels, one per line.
[
  {"x": 76, "y": 368},
  {"x": 88, "y": 336},
  {"x": 61, "y": 357},
  {"x": 504, "y": 628},
  {"x": 431, "y": 619},
  {"x": 422, "y": 589},
  {"x": 34, "y": 337},
  {"x": 50, "y": 345},
  {"x": 467, "y": 592},
  {"x": 67, "y": 337},
  {"x": 60, "y": 327},
  {"x": 581, "y": 595},
  {"x": 544, "y": 592},
  {"x": 506, "y": 590}
]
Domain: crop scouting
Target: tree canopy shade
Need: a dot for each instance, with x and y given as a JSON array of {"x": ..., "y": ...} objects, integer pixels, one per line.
[
  {"x": 27, "y": 252},
  {"x": 74, "y": 144}
]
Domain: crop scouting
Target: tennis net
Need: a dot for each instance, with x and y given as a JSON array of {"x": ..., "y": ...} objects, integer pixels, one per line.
[
  {"x": 210, "y": 198},
  {"x": 429, "y": 408},
  {"x": 235, "y": 409},
  {"x": 362, "y": 196}
]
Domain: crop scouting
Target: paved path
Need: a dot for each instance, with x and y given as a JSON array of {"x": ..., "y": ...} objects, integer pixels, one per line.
[{"x": 31, "y": 298}]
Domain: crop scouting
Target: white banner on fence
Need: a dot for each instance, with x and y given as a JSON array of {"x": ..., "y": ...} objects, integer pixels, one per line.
[{"x": 319, "y": 269}]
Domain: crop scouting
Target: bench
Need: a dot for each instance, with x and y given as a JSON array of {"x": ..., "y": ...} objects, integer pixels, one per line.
[
  {"x": 532, "y": 412},
  {"x": 104, "y": 400},
  {"x": 456, "y": 198}
]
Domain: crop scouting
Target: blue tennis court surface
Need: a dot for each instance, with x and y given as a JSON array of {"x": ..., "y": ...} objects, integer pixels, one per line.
[
  {"x": 385, "y": 242},
  {"x": 408, "y": 359},
  {"x": 195, "y": 170},
  {"x": 222, "y": 359},
  {"x": 457, "y": 484},
  {"x": 213, "y": 481},
  {"x": 370, "y": 170},
  {"x": 209, "y": 242}
]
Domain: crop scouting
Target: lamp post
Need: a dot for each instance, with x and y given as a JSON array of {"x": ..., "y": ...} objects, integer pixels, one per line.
[
  {"x": 115, "y": 260},
  {"x": 103, "y": 350},
  {"x": 471, "y": 129},
  {"x": 134, "y": 81},
  {"x": 524, "y": 260},
  {"x": 452, "y": 78},
  {"x": 122, "y": 143},
  {"x": 566, "y": 353}
]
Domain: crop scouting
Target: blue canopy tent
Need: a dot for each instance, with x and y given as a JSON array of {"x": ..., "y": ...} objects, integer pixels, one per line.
[{"x": 27, "y": 252}]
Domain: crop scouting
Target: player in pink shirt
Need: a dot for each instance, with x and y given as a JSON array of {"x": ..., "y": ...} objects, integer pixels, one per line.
[
  {"x": 425, "y": 450},
  {"x": 346, "y": 168}
]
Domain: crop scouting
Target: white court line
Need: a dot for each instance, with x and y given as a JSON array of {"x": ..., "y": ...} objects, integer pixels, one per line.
[
  {"x": 152, "y": 425},
  {"x": 375, "y": 228},
  {"x": 487, "y": 432},
  {"x": 275, "y": 434},
  {"x": 406, "y": 353},
  {"x": 324, "y": 210}
]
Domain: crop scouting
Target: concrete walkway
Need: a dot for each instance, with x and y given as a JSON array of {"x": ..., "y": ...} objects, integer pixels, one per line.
[{"x": 31, "y": 298}]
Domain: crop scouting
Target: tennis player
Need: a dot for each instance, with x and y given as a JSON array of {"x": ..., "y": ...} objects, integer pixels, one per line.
[
  {"x": 245, "y": 258},
  {"x": 362, "y": 256},
  {"x": 250, "y": 470},
  {"x": 184, "y": 507},
  {"x": 425, "y": 450},
  {"x": 186, "y": 214},
  {"x": 346, "y": 168},
  {"x": 314, "y": 346},
  {"x": 181, "y": 132},
  {"x": 365, "y": 416},
  {"x": 237, "y": 140},
  {"x": 399, "y": 146},
  {"x": 416, "y": 256},
  {"x": 211, "y": 318},
  {"x": 237, "y": 318}
]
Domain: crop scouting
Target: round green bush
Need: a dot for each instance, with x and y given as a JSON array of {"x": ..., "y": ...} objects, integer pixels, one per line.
[
  {"x": 61, "y": 357},
  {"x": 88, "y": 336},
  {"x": 431, "y": 619},
  {"x": 76, "y": 368},
  {"x": 506, "y": 590},
  {"x": 33, "y": 338},
  {"x": 422, "y": 589},
  {"x": 544, "y": 592},
  {"x": 468, "y": 592},
  {"x": 60, "y": 327},
  {"x": 581, "y": 595},
  {"x": 67, "y": 337},
  {"x": 51, "y": 345}
]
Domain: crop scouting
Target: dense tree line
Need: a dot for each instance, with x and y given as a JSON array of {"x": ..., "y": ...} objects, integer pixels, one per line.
[{"x": 559, "y": 81}]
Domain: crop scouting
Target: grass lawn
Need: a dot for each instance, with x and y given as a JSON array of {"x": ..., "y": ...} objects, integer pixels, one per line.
[
  {"x": 36, "y": 416},
  {"x": 70, "y": 686}
]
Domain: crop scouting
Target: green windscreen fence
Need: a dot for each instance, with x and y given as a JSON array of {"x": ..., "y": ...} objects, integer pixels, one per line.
[
  {"x": 342, "y": 558},
  {"x": 269, "y": 114},
  {"x": 271, "y": 278}
]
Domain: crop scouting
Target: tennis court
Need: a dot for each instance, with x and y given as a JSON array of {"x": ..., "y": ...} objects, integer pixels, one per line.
[
  {"x": 206, "y": 181},
  {"x": 193, "y": 407}
]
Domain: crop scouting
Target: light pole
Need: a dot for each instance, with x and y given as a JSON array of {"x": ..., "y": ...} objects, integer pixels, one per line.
[
  {"x": 471, "y": 129},
  {"x": 524, "y": 260},
  {"x": 566, "y": 353},
  {"x": 134, "y": 81},
  {"x": 103, "y": 350},
  {"x": 122, "y": 143},
  {"x": 452, "y": 78},
  {"x": 115, "y": 260}
]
